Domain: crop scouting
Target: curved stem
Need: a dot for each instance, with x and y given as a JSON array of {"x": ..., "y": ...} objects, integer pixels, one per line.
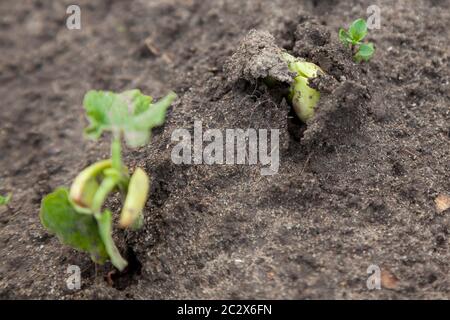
[
  {"x": 85, "y": 184},
  {"x": 107, "y": 185},
  {"x": 104, "y": 221}
]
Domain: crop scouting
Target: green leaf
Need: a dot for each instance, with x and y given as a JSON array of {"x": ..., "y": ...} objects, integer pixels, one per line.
[
  {"x": 4, "y": 200},
  {"x": 357, "y": 30},
  {"x": 97, "y": 105},
  {"x": 344, "y": 37},
  {"x": 78, "y": 230},
  {"x": 130, "y": 113},
  {"x": 141, "y": 101},
  {"x": 105, "y": 228},
  {"x": 365, "y": 52},
  {"x": 138, "y": 130}
]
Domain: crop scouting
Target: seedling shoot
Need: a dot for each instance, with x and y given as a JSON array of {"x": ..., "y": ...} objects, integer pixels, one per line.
[
  {"x": 76, "y": 215},
  {"x": 353, "y": 37}
]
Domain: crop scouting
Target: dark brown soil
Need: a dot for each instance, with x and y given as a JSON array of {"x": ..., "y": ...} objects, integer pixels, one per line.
[{"x": 355, "y": 188}]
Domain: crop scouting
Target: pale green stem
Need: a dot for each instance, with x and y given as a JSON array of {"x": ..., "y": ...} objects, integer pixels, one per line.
[
  {"x": 117, "y": 163},
  {"x": 116, "y": 153},
  {"x": 108, "y": 184}
]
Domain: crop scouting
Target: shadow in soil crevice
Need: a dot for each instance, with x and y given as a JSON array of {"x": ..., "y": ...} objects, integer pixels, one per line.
[{"x": 122, "y": 280}]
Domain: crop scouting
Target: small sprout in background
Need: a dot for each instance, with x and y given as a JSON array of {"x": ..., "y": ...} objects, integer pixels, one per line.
[
  {"x": 304, "y": 98},
  {"x": 352, "y": 38},
  {"x": 76, "y": 216},
  {"x": 4, "y": 200}
]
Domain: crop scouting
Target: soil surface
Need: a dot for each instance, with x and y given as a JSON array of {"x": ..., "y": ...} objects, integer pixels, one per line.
[{"x": 356, "y": 186}]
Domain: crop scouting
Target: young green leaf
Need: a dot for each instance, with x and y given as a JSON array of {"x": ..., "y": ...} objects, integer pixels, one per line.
[
  {"x": 130, "y": 113},
  {"x": 105, "y": 228},
  {"x": 344, "y": 37},
  {"x": 357, "y": 30},
  {"x": 80, "y": 231},
  {"x": 365, "y": 52},
  {"x": 4, "y": 200}
]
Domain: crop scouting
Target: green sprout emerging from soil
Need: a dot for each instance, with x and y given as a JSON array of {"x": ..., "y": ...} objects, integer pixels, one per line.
[
  {"x": 4, "y": 200},
  {"x": 304, "y": 98},
  {"x": 76, "y": 216},
  {"x": 353, "y": 37}
]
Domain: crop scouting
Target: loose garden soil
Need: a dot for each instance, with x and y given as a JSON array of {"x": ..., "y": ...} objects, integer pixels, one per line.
[{"x": 356, "y": 187}]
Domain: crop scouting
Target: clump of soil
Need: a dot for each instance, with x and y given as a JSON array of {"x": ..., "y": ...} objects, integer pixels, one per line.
[
  {"x": 258, "y": 57},
  {"x": 356, "y": 186},
  {"x": 344, "y": 101}
]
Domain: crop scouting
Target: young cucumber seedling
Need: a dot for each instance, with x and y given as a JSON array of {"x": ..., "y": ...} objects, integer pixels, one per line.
[
  {"x": 353, "y": 37},
  {"x": 76, "y": 216}
]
